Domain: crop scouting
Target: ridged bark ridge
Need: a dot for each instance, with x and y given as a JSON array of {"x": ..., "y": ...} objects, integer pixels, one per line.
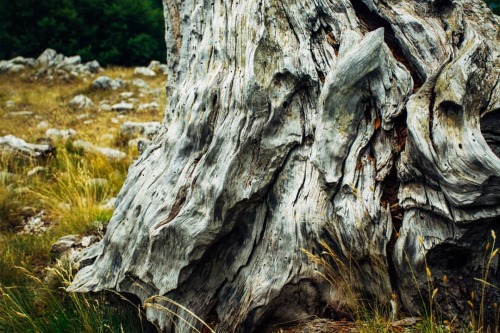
[{"x": 370, "y": 124}]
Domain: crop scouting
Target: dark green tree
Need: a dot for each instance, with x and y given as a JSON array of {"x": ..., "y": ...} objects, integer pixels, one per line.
[
  {"x": 125, "y": 32},
  {"x": 495, "y": 6}
]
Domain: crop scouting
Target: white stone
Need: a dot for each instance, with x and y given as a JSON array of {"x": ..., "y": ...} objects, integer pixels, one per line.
[
  {"x": 72, "y": 61},
  {"x": 104, "y": 83},
  {"x": 10, "y": 144},
  {"x": 93, "y": 66},
  {"x": 122, "y": 106},
  {"x": 82, "y": 116},
  {"x": 147, "y": 129},
  {"x": 153, "y": 65},
  {"x": 57, "y": 134},
  {"x": 144, "y": 71},
  {"x": 149, "y": 106},
  {"x": 35, "y": 224},
  {"x": 43, "y": 125},
  {"x": 81, "y": 102},
  {"x": 126, "y": 94},
  {"x": 8, "y": 67},
  {"x": 104, "y": 107},
  {"x": 49, "y": 58},
  {"x": 140, "y": 83},
  {"x": 109, "y": 153}
]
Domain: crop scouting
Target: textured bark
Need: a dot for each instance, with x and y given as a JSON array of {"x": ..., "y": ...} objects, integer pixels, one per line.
[{"x": 358, "y": 122}]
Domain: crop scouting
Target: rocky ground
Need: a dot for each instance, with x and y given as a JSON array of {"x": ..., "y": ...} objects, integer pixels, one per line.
[{"x": 54, "y": 101}]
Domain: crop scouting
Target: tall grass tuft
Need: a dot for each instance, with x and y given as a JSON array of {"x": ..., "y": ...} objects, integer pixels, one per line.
[
  {"x": 39, "y": 307},
  {"x": 371, "y": 315}
]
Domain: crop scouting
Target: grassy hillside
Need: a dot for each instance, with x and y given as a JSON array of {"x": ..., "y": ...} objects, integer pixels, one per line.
[{"x": 41, "y": 201}]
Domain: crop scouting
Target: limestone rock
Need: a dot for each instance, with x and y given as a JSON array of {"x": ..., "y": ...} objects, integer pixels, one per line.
[
  {"x": 12, "y": 145},
  {"x": 49, "y": 58},
  {"x": 140, "y": 83},
  {"x": 146, "y": 129},
  {"x": 81, "y": 102},
  {"x": 109, "y": 153},
  {"x": 149, "y": 106},
  {"x": 104, "y": 83},
  {"x": 60, "y": 134},
  {"x": 144, "y": 71},
  {"x": 122, "y": 107},
  {"x": 158, "y": 67}
]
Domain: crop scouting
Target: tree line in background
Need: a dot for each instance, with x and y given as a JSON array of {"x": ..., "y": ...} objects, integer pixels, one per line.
[
  {"x": 120, "y": 32},
  {"x": 495, "y": 5}
]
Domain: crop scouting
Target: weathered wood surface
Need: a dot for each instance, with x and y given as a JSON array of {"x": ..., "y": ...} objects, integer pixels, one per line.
[{"x": 286, "y": 118}]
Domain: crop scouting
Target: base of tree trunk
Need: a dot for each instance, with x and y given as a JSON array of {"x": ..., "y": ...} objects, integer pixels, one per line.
[{"x": 366, "y": 129}]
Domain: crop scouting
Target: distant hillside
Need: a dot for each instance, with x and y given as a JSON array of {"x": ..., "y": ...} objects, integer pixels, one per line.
[{"x": 122, "y": 32}]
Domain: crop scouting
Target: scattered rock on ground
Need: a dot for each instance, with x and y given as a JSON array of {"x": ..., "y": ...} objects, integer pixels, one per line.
[
  {"x": 28, "y": 62},
  {"x": 57, "y": 134},
  {"x": 69, "y": 248},
  {"x": 144, "y": 71},
  {"x": 10, "y": 144},
  {"x": 63, "y": 244},
  {"x": 34, "y": 225},
  {"x": 81, "y": 102},
  {"x": 104, "y": 107},
  {"x": 140, "y": 83},
  {"x": 122, "y": 107},
  {"x": 149, "y": 106},
  {"x": 51, "y": 59},
  {"x": 51, "y": 63},
  {"x": 93, "y": 66},
  {"x": 109, "y": 153},
  {"x": 158, "y": 67},
  {"x": 104, "y": 83},
  {"x": 147, "y": 129},
  {"x": 72, "y": 61},
  {"x": 126, "y": 94},
  {"x": 48, "y": 58},
  {"x": 42, "y": 125},
  {"x": 8, "y": 67}
]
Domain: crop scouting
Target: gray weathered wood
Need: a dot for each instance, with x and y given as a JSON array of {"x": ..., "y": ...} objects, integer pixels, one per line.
[{"x": 287, "y": 118}]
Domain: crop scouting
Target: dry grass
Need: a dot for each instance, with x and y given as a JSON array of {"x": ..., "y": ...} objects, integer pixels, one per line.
[
  {"x": 371, "y": 316},
  {"x": 66, "y": 192}
]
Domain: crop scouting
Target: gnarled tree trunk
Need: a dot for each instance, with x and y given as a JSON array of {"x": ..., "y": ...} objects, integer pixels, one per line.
[{"x": 372, "y": 125}]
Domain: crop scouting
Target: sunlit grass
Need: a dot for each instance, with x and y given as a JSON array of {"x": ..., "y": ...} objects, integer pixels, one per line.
[
  {"x": 45, "y": 307},
  {"x": 372, "y": 315},
  {"x": 70, "y": 189}
]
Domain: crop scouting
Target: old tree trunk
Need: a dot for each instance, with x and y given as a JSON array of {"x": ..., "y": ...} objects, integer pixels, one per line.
[{"x": 371, "y": 125}]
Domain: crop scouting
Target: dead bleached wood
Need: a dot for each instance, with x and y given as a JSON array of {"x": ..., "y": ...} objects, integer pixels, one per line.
[{"x": 357, "y": 122}]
